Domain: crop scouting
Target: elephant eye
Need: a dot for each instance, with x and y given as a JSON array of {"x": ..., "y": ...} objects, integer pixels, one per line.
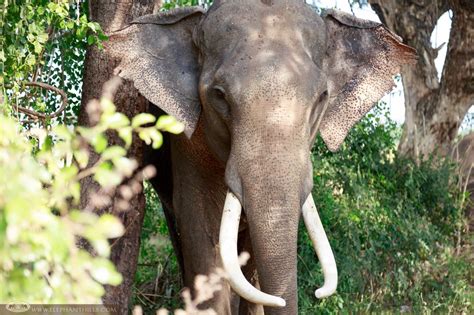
[
  {"x": 221, "y": 104},
  {"x": 220, "y": 92},
  {"x": 323, "y": 96}
]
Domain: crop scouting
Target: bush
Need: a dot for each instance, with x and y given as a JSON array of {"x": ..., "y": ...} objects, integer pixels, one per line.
[
  {"x": 157, "y": 281},
  {"x": 391, "y": 223},
  {"x": 41, "y": 219},
  {"x": 44, "y": 42},
  {"x": 40, "y": 224}
]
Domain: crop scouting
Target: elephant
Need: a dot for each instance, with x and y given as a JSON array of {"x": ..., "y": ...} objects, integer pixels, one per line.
[{"x": 254, "y": 83}]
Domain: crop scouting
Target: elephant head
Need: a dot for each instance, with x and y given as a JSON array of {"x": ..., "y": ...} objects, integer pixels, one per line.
[{"x": 264, "y": 77}]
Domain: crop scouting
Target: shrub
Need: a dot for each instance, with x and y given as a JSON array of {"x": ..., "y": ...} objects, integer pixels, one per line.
[
  {"x": 392, "y": 225},
  {"x": 41, "y": 220},
  {"x": 157, "y": 281}
]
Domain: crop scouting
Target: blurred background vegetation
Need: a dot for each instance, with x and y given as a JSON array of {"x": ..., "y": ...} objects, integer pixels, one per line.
[{"x": 397, "y": 226}]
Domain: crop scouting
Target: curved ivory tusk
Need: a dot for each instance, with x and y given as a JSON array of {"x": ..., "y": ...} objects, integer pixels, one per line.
[
  {"x": 228, "y": 250},
  {"x": 322, "y": 247}
]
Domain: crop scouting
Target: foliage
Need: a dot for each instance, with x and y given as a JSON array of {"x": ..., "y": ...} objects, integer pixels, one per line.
[
  {"x": 170, "y": 4},
  {"x": 391, "y": 224},
  {"x": 42, "y": 51},
  {"x": 157, "y": 282},
  {"x": 40, "y": 218},
  {"x": 44, "y": 41}
]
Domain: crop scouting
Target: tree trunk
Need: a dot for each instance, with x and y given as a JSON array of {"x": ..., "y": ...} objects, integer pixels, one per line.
[
  {"x": 434, "y": 110},
  {"x": 99, "y": 65},
  {"x": 463, "y": 153}
]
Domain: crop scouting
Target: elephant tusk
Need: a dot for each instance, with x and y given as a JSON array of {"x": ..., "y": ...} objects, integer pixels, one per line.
[
  {"x": 228, "y": 251},
  {"x": 323, "y": 248}
]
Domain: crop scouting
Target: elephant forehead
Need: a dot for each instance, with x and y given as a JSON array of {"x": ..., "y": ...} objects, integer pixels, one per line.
[
  {"x": 233, "y": 21},
  {"x": 271, "y": 82}
]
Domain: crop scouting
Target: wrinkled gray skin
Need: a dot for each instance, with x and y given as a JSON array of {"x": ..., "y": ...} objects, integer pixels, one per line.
[{"x": 252, "y": 81}]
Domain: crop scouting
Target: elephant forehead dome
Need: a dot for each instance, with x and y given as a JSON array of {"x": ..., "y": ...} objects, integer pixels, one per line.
[
  {"x": 252, "y": 2},
  {"x": 232, "y": 21}
]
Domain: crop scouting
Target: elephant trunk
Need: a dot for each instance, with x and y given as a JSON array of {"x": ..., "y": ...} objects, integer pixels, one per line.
[
  {"x": 273, "y": 228},
  {"x": 275, "y": 255},
  {"x": 269, "y": 171},
  {"x": 228, "y": 251}
]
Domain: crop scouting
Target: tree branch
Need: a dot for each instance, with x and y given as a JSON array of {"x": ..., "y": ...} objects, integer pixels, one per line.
[
  {"x": 45, "y": 86},
  {"x": 458, "y": 73}
]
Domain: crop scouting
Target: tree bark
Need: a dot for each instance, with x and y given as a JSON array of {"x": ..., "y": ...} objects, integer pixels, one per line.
[
  {"x": 99, "y": 65},
  {"x": 434, "y": 109},
  {"x": 463, "y": 153}
]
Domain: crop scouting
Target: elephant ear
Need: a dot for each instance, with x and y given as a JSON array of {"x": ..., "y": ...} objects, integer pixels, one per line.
[
  {"x": 362, "y": 58},
  {"x": 157, "y": 53}
]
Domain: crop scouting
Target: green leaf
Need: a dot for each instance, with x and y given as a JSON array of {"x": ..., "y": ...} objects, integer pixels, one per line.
[
  {"x": 38, "y": 47},
  {"x": 157, "y": 138},
  {"x": 31, "y": 38},
  {"x": 31, "y": 60},
  {"x": 42, "y": 38},
  {"x": 101, "y": 246},
  {"x": 90, "y": 39},
  {"x": 113, "y": 152},
  {"x": 110, "y": 226},
  {"x": 83, "y": 217},
  {"x": 145, "y": 136},
  {"x": 75, "y": 190},
  {"x": 82, "y": 157},
  {"x": 48, "y": 143},
  {"x": 151, "y": 136},
  {"x": 126, "y": 135},
  {"x": 62, "y": 131},
  {"x": 92, "y": 26},
  {"x": 69, "y": 172},
  {"x": 125, "y": 165},
  {"x": 169, "y": 124},
  {"x": 142, "y": 119},
  {"x": 115, "y": 121},
  {"x": 107, "y": 106},
  {"x": 104, "y": 272},
  {"x": 106, "y": 176},
  {"x": 99, "y": 142},
  {"x": 70, "y": 25}
]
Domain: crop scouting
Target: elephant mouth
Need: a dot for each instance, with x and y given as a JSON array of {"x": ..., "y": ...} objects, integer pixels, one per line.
[{"x": 228, "y": 251}]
